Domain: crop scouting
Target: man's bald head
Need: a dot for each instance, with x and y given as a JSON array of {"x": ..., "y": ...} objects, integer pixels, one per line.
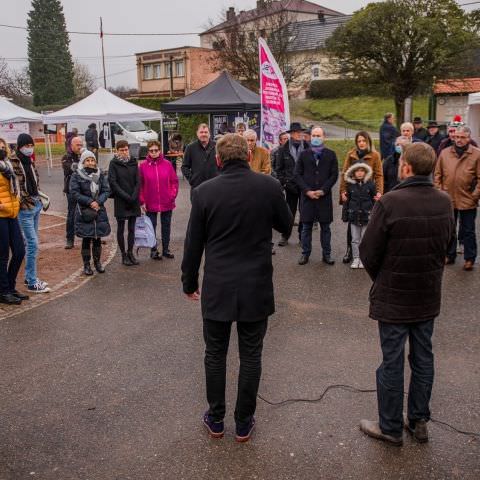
[{"x": 76, "y": 145}]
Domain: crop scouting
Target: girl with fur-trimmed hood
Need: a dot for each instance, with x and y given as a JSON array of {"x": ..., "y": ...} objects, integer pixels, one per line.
[{"x": 361, "y": 192}]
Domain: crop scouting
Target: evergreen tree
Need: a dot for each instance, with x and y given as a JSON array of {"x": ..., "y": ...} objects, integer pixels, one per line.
[{"x": 50, "y": 64}]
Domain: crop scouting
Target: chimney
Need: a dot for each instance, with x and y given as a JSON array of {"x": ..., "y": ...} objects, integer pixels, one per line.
[
  {"x": 260, "y": 4},
  {"x": 231, "y": 13}
]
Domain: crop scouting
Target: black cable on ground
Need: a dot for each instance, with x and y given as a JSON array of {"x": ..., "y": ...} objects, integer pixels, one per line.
[{"x": 350, "y": 388}]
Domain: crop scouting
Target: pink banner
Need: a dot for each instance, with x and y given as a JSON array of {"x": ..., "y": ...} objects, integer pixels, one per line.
[{"x": 274, "y": 98}]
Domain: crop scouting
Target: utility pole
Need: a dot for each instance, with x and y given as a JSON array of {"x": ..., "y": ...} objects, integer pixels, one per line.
[{"x": 103, "y": 55}]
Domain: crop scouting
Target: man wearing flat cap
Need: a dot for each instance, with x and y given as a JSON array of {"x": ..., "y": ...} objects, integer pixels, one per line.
[
  {"x": 288, "y": 156},
  {"x": 434, "y": 138}
]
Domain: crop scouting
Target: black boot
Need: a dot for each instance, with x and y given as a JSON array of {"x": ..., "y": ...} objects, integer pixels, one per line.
[
  {"x": 87, "y": 269},
  {"x": 132, "y": 258},
  {"x": 98, "y": 265},
  {"x": 97, "y": 255},
  {"x": 348, "y": 255},
  {"x": 126, "y": 260}
]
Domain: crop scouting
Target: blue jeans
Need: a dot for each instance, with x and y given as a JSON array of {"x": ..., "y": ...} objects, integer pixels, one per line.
[
  {"x": 166, "y": 223},
  {"x": 391, "y": 372},
  {"x": 467, "y": 231},
  {"x": 325, "y": 238},
  {"x": 11, "y": 240},
  {"x": 28, "y": 220}
]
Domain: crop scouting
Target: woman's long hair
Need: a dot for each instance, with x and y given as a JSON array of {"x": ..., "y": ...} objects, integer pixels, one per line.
[
  {"x": 6, "y": 146},
  {"x": 367, "y": 137}
]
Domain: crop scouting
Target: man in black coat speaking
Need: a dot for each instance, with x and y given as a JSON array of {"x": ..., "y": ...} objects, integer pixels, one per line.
[
  {"x": 231, "y": 219},
  {"x": 403, "y": 251}
]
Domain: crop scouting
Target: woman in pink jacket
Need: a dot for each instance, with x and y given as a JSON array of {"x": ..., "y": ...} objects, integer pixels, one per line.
[{"x": 158, "y": 191}]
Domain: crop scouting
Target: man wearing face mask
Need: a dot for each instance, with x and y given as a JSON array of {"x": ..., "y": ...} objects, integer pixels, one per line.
[
  {"x": 30, "y": 208},
  {"x": 391, "y": 164},
  {"x": 458, "y": 173},
  {"x": 316, "y": 172},
  {"x": 199, "y": 162},
  {"x": 287, "y": 158}
]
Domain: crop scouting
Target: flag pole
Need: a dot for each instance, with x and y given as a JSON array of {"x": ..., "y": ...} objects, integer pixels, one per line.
[{"x": 103, "y": 55}]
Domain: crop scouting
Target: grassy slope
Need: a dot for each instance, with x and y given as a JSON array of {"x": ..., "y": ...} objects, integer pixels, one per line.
[{"x": 365, "y": 111}]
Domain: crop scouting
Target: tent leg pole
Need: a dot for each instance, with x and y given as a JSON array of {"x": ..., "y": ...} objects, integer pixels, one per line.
[{"x": 48, "y": 154}]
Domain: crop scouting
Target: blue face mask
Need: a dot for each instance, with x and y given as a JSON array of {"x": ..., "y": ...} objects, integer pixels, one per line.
[
  {"x": 27, "y": 151},
  {"x": 316, "y": 142},
  {"x": 398, "y": 149}
]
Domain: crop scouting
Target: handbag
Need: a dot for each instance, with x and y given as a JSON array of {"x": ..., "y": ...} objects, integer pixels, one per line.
[
  {"x": 45, "y": 199},
  {"x": 87, "y": 214}
]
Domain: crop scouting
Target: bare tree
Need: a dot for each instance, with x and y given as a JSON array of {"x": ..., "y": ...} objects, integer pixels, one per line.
[
  {"x": 13, "y": 84},
  {"x": 237, "y": 49},
  {"x": 83, "y": 81}
]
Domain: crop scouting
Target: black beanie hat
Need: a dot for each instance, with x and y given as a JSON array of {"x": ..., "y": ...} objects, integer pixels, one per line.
[{"x": 24, "y": 139}]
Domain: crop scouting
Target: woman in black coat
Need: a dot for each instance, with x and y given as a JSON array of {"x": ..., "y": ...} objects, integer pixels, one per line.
[
  {"x": 124, "y": 181},
  {"x": 89, "y": 187},
  {"x": 391, "y": 163}
]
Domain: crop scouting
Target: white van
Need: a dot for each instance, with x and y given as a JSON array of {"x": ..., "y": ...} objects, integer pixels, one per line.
[{"x": 133, "y": 131}]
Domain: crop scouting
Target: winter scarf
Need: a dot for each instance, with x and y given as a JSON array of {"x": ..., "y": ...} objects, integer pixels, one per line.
[
  {"x": 6, "y": 169},
  {"x": 91, "y": 175}
]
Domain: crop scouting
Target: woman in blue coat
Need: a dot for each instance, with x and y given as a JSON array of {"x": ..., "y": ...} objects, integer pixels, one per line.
[
  {"x": 316, "y": 172},
  {"x": 90, "y": 190}
]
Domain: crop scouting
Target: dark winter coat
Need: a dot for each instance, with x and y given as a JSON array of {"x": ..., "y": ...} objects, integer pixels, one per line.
[
  {"x": 390, "y": 172},
  {"x": 360, "y": 195},
  {"x": 237, "y": 281},
  {"x": 403, "y": 251},
  {"x": 91, "y": 138},
  {"x": 310, "y": 176},
  {"x": 124, "y": 181},
  {"x": 199, "y": 163},
  {"x": 421, "y": 134},
  {"x": 286, "y": 167},
  {"x": 80, "y": 189},
  {"x": 69, "y": 164},
  {"x": 388, "y": 135},
  {"x": 435, "y": 140}
]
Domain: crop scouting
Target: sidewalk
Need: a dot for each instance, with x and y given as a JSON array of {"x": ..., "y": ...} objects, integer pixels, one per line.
[{"x": 60, "y": 268}]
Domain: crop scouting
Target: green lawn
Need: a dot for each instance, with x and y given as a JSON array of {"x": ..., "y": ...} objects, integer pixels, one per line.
[{"x": 363, "y": 112}]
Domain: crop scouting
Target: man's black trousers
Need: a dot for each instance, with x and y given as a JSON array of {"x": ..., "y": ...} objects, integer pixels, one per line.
[
  {"x": 391, "y": 372},
  {"x": 250, "y": 345}
]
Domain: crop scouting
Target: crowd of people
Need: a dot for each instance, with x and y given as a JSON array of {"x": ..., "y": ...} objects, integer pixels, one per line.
[{"x": 303, "y": 164}]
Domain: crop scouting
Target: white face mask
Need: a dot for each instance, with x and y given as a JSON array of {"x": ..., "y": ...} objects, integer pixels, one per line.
[{"x": 27, "y": 151}]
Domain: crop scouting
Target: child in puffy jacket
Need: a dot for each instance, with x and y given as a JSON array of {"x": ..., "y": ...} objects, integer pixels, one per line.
[{"x": 360, "y": 200}]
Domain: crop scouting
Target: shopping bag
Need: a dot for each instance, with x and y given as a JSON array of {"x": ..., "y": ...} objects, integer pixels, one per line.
[{"x": 144, "y": 233}]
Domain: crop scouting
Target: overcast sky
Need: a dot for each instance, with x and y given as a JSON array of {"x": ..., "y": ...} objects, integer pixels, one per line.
[{"x": 132, "y": 16}]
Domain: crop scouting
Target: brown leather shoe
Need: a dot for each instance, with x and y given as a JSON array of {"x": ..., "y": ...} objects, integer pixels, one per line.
[
  {"x": 372, "y": 429},
  {"x": 468, "y": 267},
  {"x": 418, "y": 429}
]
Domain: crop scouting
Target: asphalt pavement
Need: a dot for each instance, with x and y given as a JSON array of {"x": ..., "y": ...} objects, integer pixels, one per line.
[{"x": 107, "y": 382}]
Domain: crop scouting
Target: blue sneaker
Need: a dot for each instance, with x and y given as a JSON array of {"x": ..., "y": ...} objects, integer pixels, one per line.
[
  {"x": 215, "y": 429},
  {"x": 244, "y": 433}
]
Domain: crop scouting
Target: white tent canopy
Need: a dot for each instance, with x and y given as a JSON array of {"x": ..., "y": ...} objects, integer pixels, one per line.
[
  {"x": 473, "y": 114},
  {"x": 101, "y": 106},
  {"x": 11, "y": 113}
]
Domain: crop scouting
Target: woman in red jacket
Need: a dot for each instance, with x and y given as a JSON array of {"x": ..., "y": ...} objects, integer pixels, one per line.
[{"x": 158, "y": 191}]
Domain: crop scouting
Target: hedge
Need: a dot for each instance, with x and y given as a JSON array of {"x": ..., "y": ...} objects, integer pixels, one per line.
[{"x": 343, "y": 87}]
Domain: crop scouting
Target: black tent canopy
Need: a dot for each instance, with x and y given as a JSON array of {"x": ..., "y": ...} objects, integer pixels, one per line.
[{"x": 223, "y": 95}]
